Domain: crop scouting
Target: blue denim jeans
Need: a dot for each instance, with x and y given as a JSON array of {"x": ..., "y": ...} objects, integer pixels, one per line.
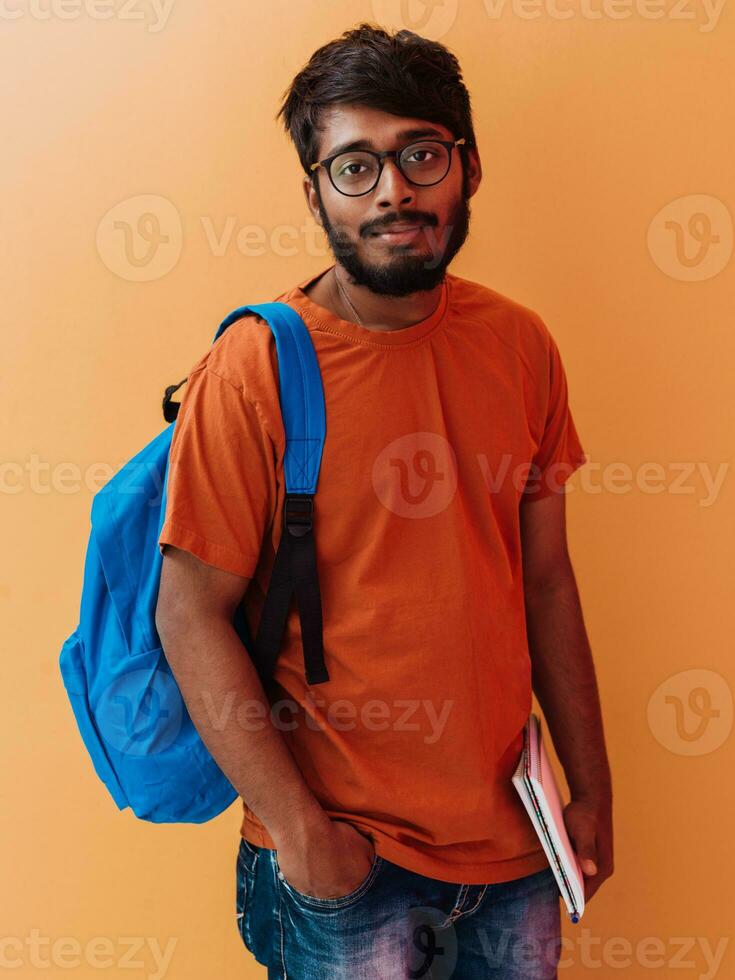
[{"x": 398, "y": 925}]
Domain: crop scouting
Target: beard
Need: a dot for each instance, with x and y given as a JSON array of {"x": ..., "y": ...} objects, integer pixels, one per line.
[{"x": 405, "y": 270}]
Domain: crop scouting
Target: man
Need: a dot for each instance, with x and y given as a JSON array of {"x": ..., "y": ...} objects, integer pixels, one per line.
[{"x": 381, "y": 834}]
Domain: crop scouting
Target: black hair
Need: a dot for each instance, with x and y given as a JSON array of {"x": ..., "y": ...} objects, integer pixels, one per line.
[{"x": 403, "y": 74}]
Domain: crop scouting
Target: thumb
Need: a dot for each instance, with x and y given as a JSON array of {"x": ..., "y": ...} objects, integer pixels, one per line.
[
  {"x": 583, "y": 837},
  {"x": 589, "y": 866},
  {"x": 587, "y": 854}
]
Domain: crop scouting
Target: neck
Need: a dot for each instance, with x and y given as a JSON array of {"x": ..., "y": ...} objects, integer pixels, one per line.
[{"x": 376, "y": 312}]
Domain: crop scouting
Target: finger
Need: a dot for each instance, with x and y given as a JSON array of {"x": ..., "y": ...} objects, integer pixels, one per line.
[{"x": 584, "y": 845}]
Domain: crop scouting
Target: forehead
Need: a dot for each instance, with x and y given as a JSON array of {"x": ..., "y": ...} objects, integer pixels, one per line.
[{"x": 345, "y": 125}]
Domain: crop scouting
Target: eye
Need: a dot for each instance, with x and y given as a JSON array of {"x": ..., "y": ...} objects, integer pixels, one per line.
[
  {"x": 344, "y": 168},
  {"x": 426, "y": 159}
]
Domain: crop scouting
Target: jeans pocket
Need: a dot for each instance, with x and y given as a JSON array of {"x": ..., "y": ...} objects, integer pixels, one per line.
[
  {"x": 247, "y": 863},
  {"x": 331, "y": 904},
  {"x": 247, "y": 856}
]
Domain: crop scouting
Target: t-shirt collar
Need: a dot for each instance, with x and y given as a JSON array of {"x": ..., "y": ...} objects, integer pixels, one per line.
[{"x": 324, "y": 319}]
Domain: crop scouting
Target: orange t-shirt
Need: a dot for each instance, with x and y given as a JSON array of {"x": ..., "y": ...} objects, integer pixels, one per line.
[{"x": 432, "y": 432}]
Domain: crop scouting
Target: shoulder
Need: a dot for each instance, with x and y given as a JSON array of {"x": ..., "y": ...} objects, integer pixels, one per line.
[
  {"x": 245, "y": 357},
  {"x": 511, "y": 322}
]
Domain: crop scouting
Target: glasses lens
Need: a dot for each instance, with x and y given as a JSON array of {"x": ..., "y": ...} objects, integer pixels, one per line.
[
  {"x": 354, "y": 172},
  {"x": 425, "y": 162}
]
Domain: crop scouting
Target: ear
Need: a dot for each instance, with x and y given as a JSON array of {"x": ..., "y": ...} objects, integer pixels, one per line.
[
  {"x": 474, "y": 169},
  {"x": 312, "y": 200}
]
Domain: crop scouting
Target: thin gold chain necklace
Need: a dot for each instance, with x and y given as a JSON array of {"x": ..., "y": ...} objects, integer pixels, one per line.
[
  {"x": 344, "y": 296},
  {"x": 342, "y": 293}
]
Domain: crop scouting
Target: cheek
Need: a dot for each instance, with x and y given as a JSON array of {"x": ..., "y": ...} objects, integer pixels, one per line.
[
  {"x": 443, "y": 206},
  {"x": 347, "y": 216},
  {"x": 442, "y": 200}
]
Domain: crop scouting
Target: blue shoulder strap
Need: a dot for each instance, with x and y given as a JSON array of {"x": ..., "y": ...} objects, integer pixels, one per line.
[
  {"x": 294, "y": 571},
  {"x": 302, "y": 395}
]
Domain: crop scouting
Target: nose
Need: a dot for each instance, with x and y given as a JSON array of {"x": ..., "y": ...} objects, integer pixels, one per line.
[{"x": 393, "y": 188}]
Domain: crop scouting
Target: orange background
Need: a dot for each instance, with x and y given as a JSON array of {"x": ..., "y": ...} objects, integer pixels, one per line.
[{"x": 588, "y": 126}]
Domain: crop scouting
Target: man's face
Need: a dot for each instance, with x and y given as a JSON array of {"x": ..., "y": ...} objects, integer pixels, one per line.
[{"x": 353, "y": 224}]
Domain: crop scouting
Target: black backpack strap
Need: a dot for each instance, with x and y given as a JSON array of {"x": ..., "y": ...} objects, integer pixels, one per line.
[{"x": 294, "y": 574}]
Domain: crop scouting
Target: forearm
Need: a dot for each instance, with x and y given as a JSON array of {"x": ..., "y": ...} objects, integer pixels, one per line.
[
  {"x": 231, "y": 712},
  {"x": 563, "y": 678}
]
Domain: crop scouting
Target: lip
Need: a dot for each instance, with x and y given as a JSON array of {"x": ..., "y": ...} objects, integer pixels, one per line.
[{"x": 398, "y": 233}]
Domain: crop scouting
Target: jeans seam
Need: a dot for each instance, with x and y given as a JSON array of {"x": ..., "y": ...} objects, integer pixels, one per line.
[
  {"x": 280, "y": 918},
  {"x": 254, "y": 857}
]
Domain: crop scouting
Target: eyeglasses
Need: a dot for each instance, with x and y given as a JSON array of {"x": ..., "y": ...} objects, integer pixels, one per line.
[{"x": 357, "y": 172}]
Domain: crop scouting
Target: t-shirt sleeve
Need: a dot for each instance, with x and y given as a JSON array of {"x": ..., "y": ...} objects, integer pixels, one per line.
[
  {"x": 222, "y": 486},
  {"x": 560, "y": 451}
]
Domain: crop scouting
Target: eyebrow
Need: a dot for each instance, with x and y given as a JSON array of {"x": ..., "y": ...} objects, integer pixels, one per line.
[{"x": 367, "y": 144}]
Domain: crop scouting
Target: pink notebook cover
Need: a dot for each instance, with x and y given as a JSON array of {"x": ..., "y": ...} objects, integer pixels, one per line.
[{"x": 534, "y": 779}]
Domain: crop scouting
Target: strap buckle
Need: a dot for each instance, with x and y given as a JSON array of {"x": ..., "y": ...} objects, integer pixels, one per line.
[
  {"x": 298, "y": 513},
  {"x": 171, "y": 409}
]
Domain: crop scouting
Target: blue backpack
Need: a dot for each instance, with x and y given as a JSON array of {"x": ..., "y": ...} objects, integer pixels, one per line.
[{"x": 128, "y": 707}]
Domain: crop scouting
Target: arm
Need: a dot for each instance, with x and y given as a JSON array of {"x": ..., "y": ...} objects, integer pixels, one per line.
[
  {"x": 216, "y": 677},
  {"x": 218, "y": 681},
  {"x": 223, "y": 496},
  {"x": 563, "y": 677}
]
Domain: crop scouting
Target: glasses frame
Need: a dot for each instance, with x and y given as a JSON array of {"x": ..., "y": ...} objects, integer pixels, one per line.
[{"x": 380, "y": 156}]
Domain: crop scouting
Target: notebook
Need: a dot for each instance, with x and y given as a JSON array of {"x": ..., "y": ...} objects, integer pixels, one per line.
[{"x": 534, "y": 779}]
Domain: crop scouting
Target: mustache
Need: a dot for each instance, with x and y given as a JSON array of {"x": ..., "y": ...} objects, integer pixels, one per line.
[{"x": 415, "y": 218}]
